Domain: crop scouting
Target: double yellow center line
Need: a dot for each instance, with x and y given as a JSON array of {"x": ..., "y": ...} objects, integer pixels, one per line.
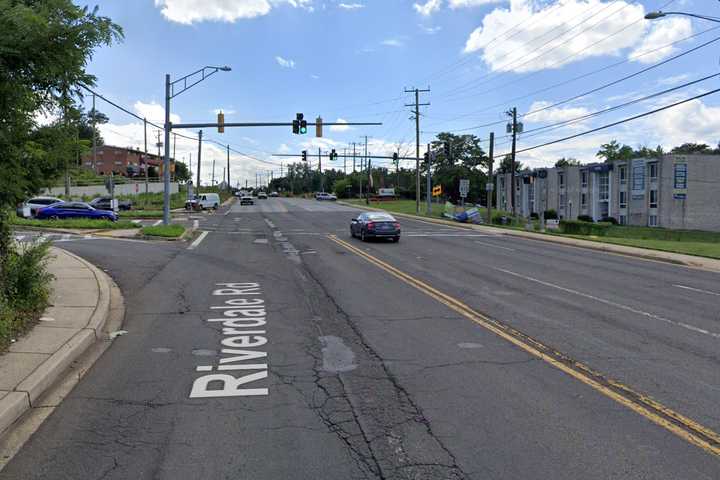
[{"x": 667, "y": 418}]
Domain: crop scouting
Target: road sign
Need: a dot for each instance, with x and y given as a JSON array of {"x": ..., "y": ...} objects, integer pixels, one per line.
[
  {"x": 464, "y": 187},
  {"x": 437, "y": 191},
  {"x": 489, "y": 187}
]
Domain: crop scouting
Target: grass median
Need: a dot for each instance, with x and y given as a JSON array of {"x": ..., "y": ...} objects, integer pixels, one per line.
[
  {"x": 165, "y": 231},
  {"x": 74, "y": 223},
  {"x": 141, "y": 214},
  {"x": 400, "y": 206}
]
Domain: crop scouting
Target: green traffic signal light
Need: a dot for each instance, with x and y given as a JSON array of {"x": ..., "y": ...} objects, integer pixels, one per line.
[{"x": 303, "y": 130}]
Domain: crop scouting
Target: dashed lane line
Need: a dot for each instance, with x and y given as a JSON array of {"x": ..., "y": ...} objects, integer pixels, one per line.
[{"x": 699, "y": 290}]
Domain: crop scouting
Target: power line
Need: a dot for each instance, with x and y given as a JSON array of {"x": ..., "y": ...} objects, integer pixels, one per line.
[{"x": 619, "y": 122}]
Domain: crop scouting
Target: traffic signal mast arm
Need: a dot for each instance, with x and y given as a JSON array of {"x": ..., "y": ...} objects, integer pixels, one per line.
[
  {"x": 265, "y": 124},
  {"x": 337, "y": 155}
]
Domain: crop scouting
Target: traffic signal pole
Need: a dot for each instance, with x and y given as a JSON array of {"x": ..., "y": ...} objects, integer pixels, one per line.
[
  {"x": 417, "y": 106},
  {"x": 428, "y": 194}
]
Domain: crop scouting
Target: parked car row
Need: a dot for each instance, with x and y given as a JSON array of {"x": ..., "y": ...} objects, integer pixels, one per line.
[{"x": 56, "y": 208}]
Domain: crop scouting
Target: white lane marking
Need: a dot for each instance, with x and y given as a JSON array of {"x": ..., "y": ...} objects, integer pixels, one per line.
[
  {"x": 196, "y": 224},
  {"x": 495, "y": 246},
  {"x": 697, "y": 290},
  {"x": 65, "y": 237},
  {"x": 261, "y": 240},
  {"x": 444, "y": 235},
  {"x": 197, "y": 241},
  {"x": 613, "y": 304},
  {"x": 226, "y": 213},
  {"x": 136, "y": 222},
  {"x": 269, "y": 223},
  {"x": 157, "y": 223}
]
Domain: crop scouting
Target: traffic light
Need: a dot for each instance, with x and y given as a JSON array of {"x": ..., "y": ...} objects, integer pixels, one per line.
[
  {"x": 298, "y": 123},
  {"x": 221, "y": 122},
  {"x": 304, "y": 155},
  {"x": 395, "y": 157},
  {"x": 333, "y": 155},
  {"x": 318, "y": 127}
]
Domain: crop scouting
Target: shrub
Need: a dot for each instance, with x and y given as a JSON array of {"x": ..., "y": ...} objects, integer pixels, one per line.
[
  {"x": 534, "y": 216},
  {"x": 612, "y": 220},
  {"x": 551, "y": 215},
  {"x": 24, "y": 289},
  {"x": 585, "y": 218},
  {"x": 574, "y": 227}
]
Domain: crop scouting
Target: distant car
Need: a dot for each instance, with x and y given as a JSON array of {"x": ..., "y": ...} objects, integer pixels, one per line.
[
  {"x": 36, "y": 203},
  {"x": 262, "y": 196},
  {"x": 64, "y": 210},
  {"x": 247, "y": 200},
  {"x": 103, "y": 203},
  {"x": 325, "y": 196},
  {"x": 274, "y": 194},
  {"x": 204, "y": 201},
  {"x": 375, "y": 225}
]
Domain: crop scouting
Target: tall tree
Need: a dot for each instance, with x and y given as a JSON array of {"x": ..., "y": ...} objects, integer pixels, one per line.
[
  {"x": 614, "y": 151},
  {"x": 44, "y": 49}
]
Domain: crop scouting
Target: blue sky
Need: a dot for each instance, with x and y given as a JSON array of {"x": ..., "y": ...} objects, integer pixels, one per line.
[{"x": 352, "y": 59}]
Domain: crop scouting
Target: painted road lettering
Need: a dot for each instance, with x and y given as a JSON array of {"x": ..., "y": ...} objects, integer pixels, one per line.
[{"x": 243, "y": 321}]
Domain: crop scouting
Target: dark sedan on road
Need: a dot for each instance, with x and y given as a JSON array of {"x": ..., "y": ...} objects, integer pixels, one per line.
[
  {"x": 74, "y": 210},
  {"x": 375, "y": 225}
]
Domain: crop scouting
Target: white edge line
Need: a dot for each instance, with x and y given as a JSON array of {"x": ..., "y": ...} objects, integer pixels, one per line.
[
  {"x": 157, "y": 223},
  {"x": 495, "y": 246},
  {"x": 197, "y": 241},
  {"x": 697, "y": 290}
]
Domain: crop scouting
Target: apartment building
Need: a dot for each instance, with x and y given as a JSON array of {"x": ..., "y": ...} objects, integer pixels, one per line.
[
  {"x": 122, "y": 161},
  {"x": 672, "y": 191}
]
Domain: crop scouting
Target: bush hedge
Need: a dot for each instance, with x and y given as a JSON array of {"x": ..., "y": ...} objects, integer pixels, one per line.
[
  {"x": 550, "y": 215},
  {"x": 585, "y": 218},
  {"x": 575, "y": 227}
]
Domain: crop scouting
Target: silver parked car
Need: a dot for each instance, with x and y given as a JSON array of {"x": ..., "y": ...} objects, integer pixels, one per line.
[{"x": 35, "y": 204}]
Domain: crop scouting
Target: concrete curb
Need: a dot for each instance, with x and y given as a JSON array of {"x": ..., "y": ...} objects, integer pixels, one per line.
[
  {"x": 704, "y": 263},
  {"x": 24, "y": 396}
]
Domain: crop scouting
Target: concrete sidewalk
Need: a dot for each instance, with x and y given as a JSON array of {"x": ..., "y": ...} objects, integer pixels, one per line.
[
  {"x": 646, "y": 253},
  {"x": 83, "y": 299}
]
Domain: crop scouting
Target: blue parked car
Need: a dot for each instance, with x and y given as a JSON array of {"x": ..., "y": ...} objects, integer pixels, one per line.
[{"x": 74, "y": 210}]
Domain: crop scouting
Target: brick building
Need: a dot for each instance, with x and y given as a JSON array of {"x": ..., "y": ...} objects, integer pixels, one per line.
[
  {"x": 671, "y": 191},
  {"x": 123, "y": 161}
]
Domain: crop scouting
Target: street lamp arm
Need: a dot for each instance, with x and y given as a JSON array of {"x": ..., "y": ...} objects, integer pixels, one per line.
[
  {"x": 203, "y": 75},
  {"x": 660, "y": 14}
]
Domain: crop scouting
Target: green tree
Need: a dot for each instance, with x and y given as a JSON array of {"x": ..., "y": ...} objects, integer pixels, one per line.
[
  {"x": 182, "y": 173},
  {"x": 505, "y": 165},
  {"x": 612, "y": 151},
  {"x": 567, "y": 162},
  {"x": 44, "y": 49},
  {"x": 466, "y": 160},
  {"x": 690, "y": 148}
]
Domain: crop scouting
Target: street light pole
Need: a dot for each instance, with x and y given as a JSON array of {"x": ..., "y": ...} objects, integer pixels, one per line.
[
  {"x": 660, "y": 14},
  {"x": 166, "y": 160}
]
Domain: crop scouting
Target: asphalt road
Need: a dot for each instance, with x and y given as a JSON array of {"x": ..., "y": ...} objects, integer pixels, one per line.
[{"x": 452, "y": 354}]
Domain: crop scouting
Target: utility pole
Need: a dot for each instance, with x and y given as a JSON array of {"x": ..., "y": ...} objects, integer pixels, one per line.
[
  {"x": 199, "y": 160},
  {"x": 228, "y": 168},
  {"x": 490, "y": 183},
  {"x": 417, "y": 106},
  {"x": 353, "y": 144},
  {"x": 513, "y": 128},
  {"x": 212, "y": 182},
  {"x": 428, "y": 194},
  {"x": 147, "y": 177},
  {"x": 320, "y": 169},
  {"x": 94, "y": 134},
  {"x": 223, "y": 174},
  {"x": 344, "y": 161},
  {"x": 397, "y": 171},
  {"x": 174, "y": 145}
]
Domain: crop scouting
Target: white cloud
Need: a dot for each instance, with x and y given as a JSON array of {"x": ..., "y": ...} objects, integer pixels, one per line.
[
  {"x": 673, "y": 80},
  {"x": 525, "y": 52},
  {"x": 285, "y": 63},
  {"x": 340, "y": 128},
  {"x": 315, "y": 77},
  {"x": 557, "y": 114},
  {"x": 430, "y": 30},
  {"x": 226, "y": 111},
  {"x": 428, "y": 7},
  {"x": 471, "y": 3},
  {"x": 283, "y": 148},
  {"x": 662, "y": 32},
  {"x": 392, "y": 42},
  {"x": 351, "y": 6},
  {"x": 693, "y": 122},
  {"x": 191, "y": 11},
  {"x": 154, "y": 112}
]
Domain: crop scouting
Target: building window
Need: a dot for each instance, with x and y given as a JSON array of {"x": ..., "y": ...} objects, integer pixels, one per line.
[
  {"x": 88, "y": 164},
  {"x": 99, "y": 163},
  {"x": 653, "y": 198},
  {"x": 604, "y": 187},
  {"x": 638, "y": 174},
  {"x": 561, "y": 180},
  {"x": 623, "y": 199},
  {"x": 652, "y": 221},
  {"x": 680, "y": 176},
  {"x": 118, "y": 162},
  {"x": 563, "y": 201},
  {"x": 653, "y": 171},
  {"x": 583, "y": 178},
  {"x": 623, "y": 174},
  {"x": 583, "y": 200},
  {"x": 623, "y": 220}
]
